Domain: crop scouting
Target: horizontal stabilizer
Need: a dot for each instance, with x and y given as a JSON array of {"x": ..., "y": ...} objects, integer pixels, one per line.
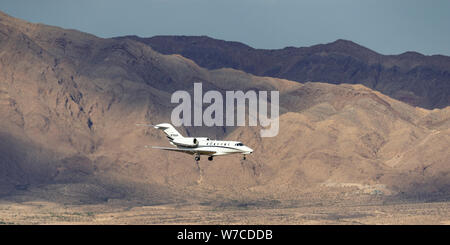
[{"x": 145, "y": 125}]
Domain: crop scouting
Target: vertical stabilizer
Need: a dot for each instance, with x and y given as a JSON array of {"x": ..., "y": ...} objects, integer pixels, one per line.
[{"x": 169, "y": 130}]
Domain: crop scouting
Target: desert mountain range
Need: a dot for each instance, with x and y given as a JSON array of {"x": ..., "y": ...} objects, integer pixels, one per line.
[
  {"x": 411, "y": 77},
  {"x": 69, "y": 102}
]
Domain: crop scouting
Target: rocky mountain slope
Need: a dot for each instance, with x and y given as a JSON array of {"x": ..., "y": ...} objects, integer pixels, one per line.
[
  {"x": 70, "y": 101},
  {"x": 411, "y": 77}
]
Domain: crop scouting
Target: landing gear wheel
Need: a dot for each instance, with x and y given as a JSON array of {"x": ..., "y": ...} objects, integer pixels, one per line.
[
  {"x": 210, "y": 158},
  {"x": 197, "y": 158},
  {"x": 244, "y": 158}
]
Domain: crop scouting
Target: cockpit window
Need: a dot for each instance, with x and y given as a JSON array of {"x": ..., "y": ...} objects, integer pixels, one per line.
[{"x": 239, "y": 144}]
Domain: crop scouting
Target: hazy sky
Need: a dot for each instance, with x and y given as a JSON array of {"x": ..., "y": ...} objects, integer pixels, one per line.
[{"x": 386, "y": 26}]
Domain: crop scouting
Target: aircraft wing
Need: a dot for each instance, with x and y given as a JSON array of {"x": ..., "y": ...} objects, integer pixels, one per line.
[{"x": 186, "y": 150}]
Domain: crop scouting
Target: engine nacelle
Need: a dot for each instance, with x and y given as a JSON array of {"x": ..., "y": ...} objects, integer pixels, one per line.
[{"x": 186, "y": 142}]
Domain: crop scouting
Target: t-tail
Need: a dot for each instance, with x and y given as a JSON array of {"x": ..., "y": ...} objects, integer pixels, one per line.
[
  {"x": 169, "y": 130},
  {"x": 175, "y": 138}
]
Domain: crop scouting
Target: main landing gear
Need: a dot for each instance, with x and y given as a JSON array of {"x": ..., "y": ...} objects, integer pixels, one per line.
[
  {"x": 210, "y": 158},
  {"x": 197, "y": 157}
]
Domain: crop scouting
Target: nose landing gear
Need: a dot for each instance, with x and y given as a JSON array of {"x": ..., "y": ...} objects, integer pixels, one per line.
[{"x": 210, "y": 158}]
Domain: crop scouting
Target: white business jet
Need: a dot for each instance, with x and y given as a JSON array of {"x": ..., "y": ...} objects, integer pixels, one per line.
[{"x": 197, "y": 146}]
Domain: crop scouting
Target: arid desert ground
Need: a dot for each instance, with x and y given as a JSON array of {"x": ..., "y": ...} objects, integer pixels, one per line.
[
  {"x": 398, "y": 214},
  {"x": 342, "y": 207}
]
